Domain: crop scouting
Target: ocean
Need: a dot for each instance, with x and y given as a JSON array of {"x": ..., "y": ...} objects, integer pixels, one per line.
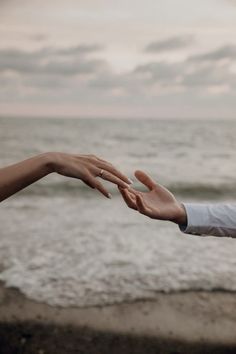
[{"x": 64, "y": 244}]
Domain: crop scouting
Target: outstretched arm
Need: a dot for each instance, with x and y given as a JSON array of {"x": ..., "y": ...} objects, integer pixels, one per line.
[
  {"x": 196, "y": 219},
  {"x": 85, "y": 167}
]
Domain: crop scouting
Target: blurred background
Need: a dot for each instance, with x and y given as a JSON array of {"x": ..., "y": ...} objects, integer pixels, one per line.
[
  {"x": 146, "y": 85},
  {"x": 159, "y": 59}
]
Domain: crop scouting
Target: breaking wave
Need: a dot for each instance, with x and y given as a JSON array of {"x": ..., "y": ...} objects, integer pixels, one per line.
[{"x": 195, "y": 190}]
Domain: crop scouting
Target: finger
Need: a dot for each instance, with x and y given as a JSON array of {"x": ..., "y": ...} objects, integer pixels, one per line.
[
  {"x": 88, "y": 184},
  {"x": 111, "y": 178},
  {"x": 129, "y": 200},
  {"x": 101, "y": 160},
  {"x": 142, "y": 208},
  {"x": 134, "y": 192},
  {"x": 110, "y": 168},
  {"x": 131, "y": 196},
  {"x": 105, "y": 165},
  {"x": 94, "y": 183},
  {"x": 145, "y": 179}
]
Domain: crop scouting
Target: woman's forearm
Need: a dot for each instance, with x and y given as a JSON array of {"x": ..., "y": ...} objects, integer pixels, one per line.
[
  {"x": 84, "y": 167},
  {"x": 20, "y": 175}
]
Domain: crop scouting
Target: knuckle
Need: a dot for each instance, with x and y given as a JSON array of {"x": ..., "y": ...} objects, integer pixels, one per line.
[{"x": 85, "y": 178}]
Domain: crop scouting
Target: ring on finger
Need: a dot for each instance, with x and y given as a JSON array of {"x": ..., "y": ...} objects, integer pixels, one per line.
[{"x": 101, "y": 173}]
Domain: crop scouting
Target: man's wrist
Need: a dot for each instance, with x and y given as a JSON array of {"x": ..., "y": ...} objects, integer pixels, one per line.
[{"x": 181, "y": 218}]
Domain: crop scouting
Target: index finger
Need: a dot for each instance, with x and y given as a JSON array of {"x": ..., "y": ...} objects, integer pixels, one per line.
[
  {"x": 128, "y": 198},
  {"x": 113, "y": 179}
]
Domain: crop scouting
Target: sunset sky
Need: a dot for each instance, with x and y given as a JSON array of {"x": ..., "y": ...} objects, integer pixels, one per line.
[{"x": 126, "y": 58}]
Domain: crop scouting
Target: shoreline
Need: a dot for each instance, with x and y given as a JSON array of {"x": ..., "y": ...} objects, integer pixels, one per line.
[
  {"x": 34, "y": 338},
  {"x": 183, "y": 320}
]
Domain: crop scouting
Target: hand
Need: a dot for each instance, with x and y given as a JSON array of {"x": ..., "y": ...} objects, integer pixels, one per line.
[
  {"x": 87, "y": 168},
  {"x": 157, "y": 203}
]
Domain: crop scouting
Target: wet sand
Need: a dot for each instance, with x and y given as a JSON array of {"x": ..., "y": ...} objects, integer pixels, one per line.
[{"x": 188, "y": 322}]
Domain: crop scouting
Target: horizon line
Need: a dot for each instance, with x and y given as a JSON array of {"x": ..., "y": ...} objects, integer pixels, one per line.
[{"x": 2, "y": 116}]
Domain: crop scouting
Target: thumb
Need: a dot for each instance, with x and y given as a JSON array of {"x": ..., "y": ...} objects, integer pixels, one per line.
[{"x": 145, "y": 179}]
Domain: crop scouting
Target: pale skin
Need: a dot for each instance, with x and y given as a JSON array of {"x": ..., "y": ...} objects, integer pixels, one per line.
[
  {"x": 156, "y": 203},
  {"x": 87, "y": 168}
]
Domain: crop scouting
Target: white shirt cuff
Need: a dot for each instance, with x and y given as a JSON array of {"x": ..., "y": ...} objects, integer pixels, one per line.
[{"x": 210, "y": 219}]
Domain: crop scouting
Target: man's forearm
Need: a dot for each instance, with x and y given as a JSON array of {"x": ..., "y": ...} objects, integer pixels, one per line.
[
  {"x": 20, "y": 175},
  {"x": 210, "y": 219}
]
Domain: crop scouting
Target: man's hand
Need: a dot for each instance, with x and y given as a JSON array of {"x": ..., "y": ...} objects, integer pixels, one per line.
[{"x": 157, "y": 203}]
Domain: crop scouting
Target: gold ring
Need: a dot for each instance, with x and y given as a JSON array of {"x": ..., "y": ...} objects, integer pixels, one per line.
[{"x": 101, "y": 173}]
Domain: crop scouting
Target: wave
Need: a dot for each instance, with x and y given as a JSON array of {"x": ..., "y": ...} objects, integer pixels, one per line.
[
  {"x": 193, "y": 190},
  {"x": 196, "y": 190}
]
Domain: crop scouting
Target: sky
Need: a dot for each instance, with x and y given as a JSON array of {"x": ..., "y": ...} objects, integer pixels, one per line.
[{"x": 127, "y": 58}]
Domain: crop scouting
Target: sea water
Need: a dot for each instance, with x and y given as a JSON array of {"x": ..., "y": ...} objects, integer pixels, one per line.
[{"x": 65, "y": 244}]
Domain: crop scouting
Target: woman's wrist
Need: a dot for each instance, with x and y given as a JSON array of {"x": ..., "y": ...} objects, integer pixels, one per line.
[{"x": 51, "y": 160}]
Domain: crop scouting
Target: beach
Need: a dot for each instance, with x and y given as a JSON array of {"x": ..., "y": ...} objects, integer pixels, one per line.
[
  {"x": 188, "y": 322},
  {"x": 92, "y": 93},
  {"x": 88, "y": 272}
]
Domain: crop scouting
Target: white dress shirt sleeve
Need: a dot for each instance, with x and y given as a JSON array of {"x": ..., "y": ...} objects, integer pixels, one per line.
[{"x": 210, "y": 220}]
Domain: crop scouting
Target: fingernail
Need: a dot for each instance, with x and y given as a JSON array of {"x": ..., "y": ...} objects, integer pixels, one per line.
[
  {"x": 130, "y": 181},
  {"x": 109, "y": 195}
]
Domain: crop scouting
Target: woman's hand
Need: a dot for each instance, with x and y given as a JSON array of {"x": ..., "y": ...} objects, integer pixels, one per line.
[
  {"x": 20, "y": 175},
  {"x": 157, "y": 203},
  {"x": 87, "y": 168}
]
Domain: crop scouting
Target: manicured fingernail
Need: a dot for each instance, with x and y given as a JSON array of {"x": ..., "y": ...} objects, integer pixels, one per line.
[
  {"x": 109, "y": 195},
  {"x": 130, "y": 181}
]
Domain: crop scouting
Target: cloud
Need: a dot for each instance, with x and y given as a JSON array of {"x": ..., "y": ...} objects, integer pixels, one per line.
[
  {"x": 50, "y": 67},
  {"x": 169, "y": 44},
  {"x": 75, "y": 75},
  {"x": 159, "y": 78},
  {"x": 79, "y": 50},
  {"x": 207, "y": 76},
  {"x": 225, "y": 52},
  {"x": 205, "y": 72},
  {"x": 161, "y": 71},
  {"x": 51, "y": 61}
]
